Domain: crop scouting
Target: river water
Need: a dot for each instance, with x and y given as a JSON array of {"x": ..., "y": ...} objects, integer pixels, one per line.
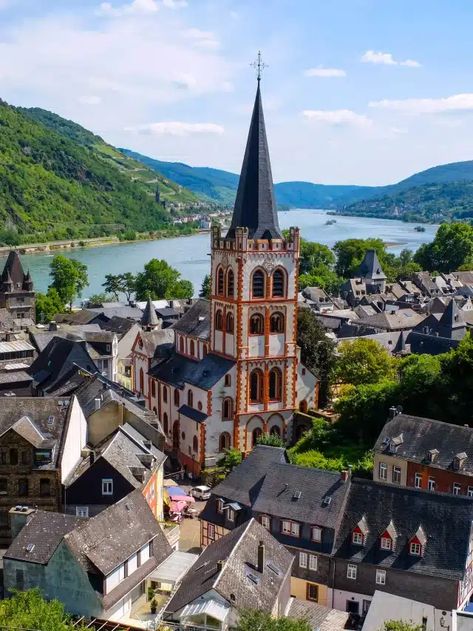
[{"x": 190, "y": 255}]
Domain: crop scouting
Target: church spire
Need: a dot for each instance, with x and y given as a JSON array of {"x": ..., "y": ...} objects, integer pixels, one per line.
[{"x": 255, "y": 206}]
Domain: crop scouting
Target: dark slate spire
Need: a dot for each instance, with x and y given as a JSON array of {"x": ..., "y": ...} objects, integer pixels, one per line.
[
  {"x": 13, "y": 268},
  {"x": 370, "y": 267},
  {"x": 255, "y": 207},
  {"x": 149, "y": 320},
  {"x": 452, "y": 323}
]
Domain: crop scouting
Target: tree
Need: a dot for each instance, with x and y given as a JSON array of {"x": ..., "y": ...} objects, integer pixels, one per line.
[
  {"x": 117, "y": 284},
  {"x": 48, "y": 305},
  {"x": 272, "y": 440},
  {"x": 350, "y": 253},
  {"x": 160, "y": 280},
  {"x": 206, "y": 287},
  {"x": 317, "y": 350},
  {"x": 363, "y": 361},
  {"x": 401, "y": 625},
  {"x": 256, "y": 620},
  {"x": 69, "y": 278},
  {"x": 231, "y": 459},
  {"x": 315, "y": 255},
  {"x": 95, "y": 300},
  {"x": 29, "y": 610},
  {"x": 112, "y": 285},
  {"x": 451, "y": 249}
]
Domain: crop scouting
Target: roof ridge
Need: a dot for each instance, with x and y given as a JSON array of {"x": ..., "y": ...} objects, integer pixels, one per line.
[{"x": 234, "y": 549}]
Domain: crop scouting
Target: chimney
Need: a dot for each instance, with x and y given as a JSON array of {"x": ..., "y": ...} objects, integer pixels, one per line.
[
  {"x": 219, "y": 566},
  {"x": 344, "y": 475},
  {"x": 393, "y": 411},
  {"x": 53, "y": 326},
  {"x": 18, "y": 518},
  {"x": 261, "y": 555}
]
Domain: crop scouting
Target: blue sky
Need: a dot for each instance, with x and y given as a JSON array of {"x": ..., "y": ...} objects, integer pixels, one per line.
[{"x": 356, "y": 92}]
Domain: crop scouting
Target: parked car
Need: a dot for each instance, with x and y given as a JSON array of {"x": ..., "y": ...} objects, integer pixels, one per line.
[{"x": 201, "y": 492}]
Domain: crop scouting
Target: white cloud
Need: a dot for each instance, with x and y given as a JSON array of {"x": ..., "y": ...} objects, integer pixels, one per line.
[
  {"x": 174, "y": 4},
  {"x": 386, "y": 59},
  {"x": 90, "y": 99},
  {"x": 136, "y": 7},
  {"x": 338, "y": 118},
  {"x": 325, "y": 72},
  {"x": 454, "y": 103},
  {"x": 202, "y": 39},
  {"x": 177, "y": 128}
]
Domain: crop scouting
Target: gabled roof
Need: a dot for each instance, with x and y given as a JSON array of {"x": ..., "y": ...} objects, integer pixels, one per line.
[
  {"x": 13, "y": 269},
  {"x": 451, "y": 320},
  {"x": 421, "y": 435},
  {"x": 178, "y": 370},
  {"x": 370, "y": 267},
  {"x": 255, "y": 206},
  {"x": 238, "y": 552},
  {"x": 393, "y": 320},
  {"x": 196, "y": 322}
]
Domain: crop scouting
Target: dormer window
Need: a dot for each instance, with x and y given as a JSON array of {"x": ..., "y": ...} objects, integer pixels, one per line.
[
  {"x": 386, "y": 543},
  {"x": 220, "y": 505},
  {"x": 357, "y": 538},
  {"x": 316, "y": 534},
  {"x": 459, "y": 461},
  {"x": 394, "y": 443},
  {"x": 415, "y": 549},
  {"x": 432, "y": 455},
  {"x": 388, "y": 537},
  {"x": 417, "y": 543}
]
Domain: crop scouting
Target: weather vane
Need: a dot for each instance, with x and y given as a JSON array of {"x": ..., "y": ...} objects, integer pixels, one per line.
[{"x": 259, "y": 66}]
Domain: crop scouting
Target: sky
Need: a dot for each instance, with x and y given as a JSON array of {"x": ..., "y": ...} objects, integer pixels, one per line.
[{"x": 355, "y": 91}]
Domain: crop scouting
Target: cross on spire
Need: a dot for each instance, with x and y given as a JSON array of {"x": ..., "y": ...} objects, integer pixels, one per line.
[{"x": 259, "y": 66}]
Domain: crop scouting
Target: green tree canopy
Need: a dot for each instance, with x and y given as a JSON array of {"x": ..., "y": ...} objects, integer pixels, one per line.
[
  {"x": 69, "y": 278},
  {"x": 48, "y": 305},
  {"x": 117, "y": 284},
  {"x": 159, "y": 280},
  {"x": 206, "y": 287},
  {"x": 253, "y": 620},
  {"x": 363, "y": 361},
  {"x": 451, "y": 249},
  {"x": 350, "y": 253},
  {"x": 231, "y": 459},
  {"x": 314, "y": 255},
  {"x": 29, "y": 610},
  {"x": 401, "y": 625}
]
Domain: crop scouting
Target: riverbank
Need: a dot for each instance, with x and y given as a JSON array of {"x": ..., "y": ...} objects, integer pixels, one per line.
[{"x": 419, "y": 220}]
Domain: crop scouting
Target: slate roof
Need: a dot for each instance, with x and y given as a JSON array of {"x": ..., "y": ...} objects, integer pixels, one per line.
[
  {"x": 195, "y": 415},
  {"x": 196, "y": 321},
  {"x": 255, "y": 206},
  {"x": 83, "y": 316},
  {"x": 420, "y": 435},
  {"x": 239, "y": 552},
  {"x": 13, "y": 269},
  {"x": 149, "y": 317},
  {"x": 318, "y": 617},
  {"x": 452, "y": 319},
  {"x": 118, "y": 325},
  {"x": 45, "y": 530},
  {"x": 426, "y": 344},
  {"x": 393, "y": 320},
  {"x": 370, "y": 267},
  {"x": 445, "y": 520},
  {"x": 119, "y": 309},
  {"x": 178, "y": 370},
  {"x": 157, "y": 343}
]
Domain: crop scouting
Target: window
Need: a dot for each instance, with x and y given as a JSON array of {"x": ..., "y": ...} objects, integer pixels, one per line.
[
  {"x": 380, "y": 577},
  {"x": 431, "y": 484},
  {"x": 258, "y": 284},
  {"x": 396, "y": 475},
  {"x": 418, "y": 480},
  {"x": 142, "y": 380},
  {"x": 351, "y": 571},
  {"x": 192, "y": 348},
  {"x": 470, "y": 491},
  {"x": 303, "y": 559},
  {"x": 275, "y": 384},
  {"x": 224, "y": 441},
  {"x": 23, "y": 487},
  {"x": 82, "y": 511},
  {"x": 357, "y": 538},
  {"x": 255, "y": 435},
  {"x": 279, "y": 278},
  {"x": 211, "y": 531},
  {"x": 256, "y": 386},
  {"x": 229, "y": 323},
  {"x": 153, "y": 388},
  {"x": 275, "y": 431},
  {"x": 3, "y": 486},
  {"x": 227, "y": 409},
  {"x": 383, "y": 471},
  {"x": 195, "y": 444},
  {"x": 231, "y": 514},
  {"x": 107, "y": 486},
  {"x": 220, "y": 282},
  {"x": 219, "y": 320},
  {"x": 316, "y": 534},
  {"x": 291, "y": 528},
  {"x": 386, "y": 543},
  {"x": 165, "y": 394},
  {"x": 265, "y": 521},
  {"x": 312, "y": 592},
  {"x": 176, "y": 397},
  {"x": 313, "y": 562},
  {"x": 228, "y": 380},
  {"x": 415, "y": 549},
  {"x": 190, "y": 398},
  {"x": 13, "y": 456},
  {"x": 276, "y": 323},
  {"x": 456, "y": 488},
  {"x": 45, "y": 487},
  {"x": 220, "y": 505},
  {"x": 25, "y": 457},
  {"x": 165, "y": 423},
  {"x": 230, "y": 283},
  {"x": 257, "y": 324},
  {"x": 181, "y": 345},
  {"x": 3, "y": 457}
]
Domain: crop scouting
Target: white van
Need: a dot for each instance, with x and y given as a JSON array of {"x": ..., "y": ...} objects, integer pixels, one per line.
[{"x": 201, "y": 492}]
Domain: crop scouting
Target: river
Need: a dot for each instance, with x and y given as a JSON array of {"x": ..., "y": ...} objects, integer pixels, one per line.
[{"x": 190, "y": 255}]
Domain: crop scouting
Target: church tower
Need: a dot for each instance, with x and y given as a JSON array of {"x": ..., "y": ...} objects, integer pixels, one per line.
[{"x": 254, "y": 299}]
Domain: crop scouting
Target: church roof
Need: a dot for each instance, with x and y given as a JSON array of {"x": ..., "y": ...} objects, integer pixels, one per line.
[
  {"x": 255, "y": 206},
  {"x": 149, "y": 315},
  {"x": 452, "y": 318},
  {"x": 14, "y": 269},
  {"x": 370, "y": 267}
]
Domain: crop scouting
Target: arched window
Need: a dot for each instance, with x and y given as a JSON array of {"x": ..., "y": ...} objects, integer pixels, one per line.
[
  {"x": 275, "y": 384},
  {"x": 257, "y": 432},
  {"x": 275, "y": 430},
  {"x": 176, "y": 397},
  {"x": 181, "y": 345},
  {"x": 227, "y": 409},
  {"x": 258, "y": 284},
  {"x": 257, "y": 324},
  {"x": 276, "y": 323},
  {"x": 165, "y": 394},
  {"x": 220, "y": 282},
  {"x": 256, "y": 386},
  {"x": 165, "y": 423},
  {"x": 224, "y": 441},
  {"x": 219, "y": 320},
  {"x": 195, "y": 444},
  {"x": 279, "y": 283},
  {"x": 230, "y": 283},
  {"x": 175, "y": 436},
  {"x": 153, "y": 388},
  {"x": 190, "y": 398},
  {"x": 142, "y": 380},
  {"x": 230, "y": 322},
  {"x": 204, "y": 350},
  {"x": 192, "y": 348}
]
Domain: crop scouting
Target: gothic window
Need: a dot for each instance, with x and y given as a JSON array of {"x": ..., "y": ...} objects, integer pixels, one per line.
[
  {"x": 195, "y": 444},
  {"x": 258, "y": 284},
  {"x": 165, "y": 394},
  {"x": 257, "y": 433},
  {"x": 192, "y": 348},
  {"x": 229, "y": 323},
  {"x": 256, "y": 386},
  {"x": 153, "y": 388},
  {"x": 142, "y": 380},
  {"x": 190, "y": 398},
  {"x": 181, "y": 345},
  {"x": 224, "y": 441},
  {"x": 257, "y": 324},
  {"x": 275, "y": 431},
  {"x": 279, "y": 282},
  {"x": 165, "y": 423},
  {"x": 230, "y": 283},
  {"x": 220, "y": 282},
  {"x": 176, "y": 397},
  {"x": 275, "y": 384},
  {"x": 276, "y": 323},
  {"x": 219, "y": 320},
  {"x": 227, "y": 409}
]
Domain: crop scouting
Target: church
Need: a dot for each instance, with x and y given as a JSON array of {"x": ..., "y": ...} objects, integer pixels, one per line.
[{"x": 233, "y": 371}]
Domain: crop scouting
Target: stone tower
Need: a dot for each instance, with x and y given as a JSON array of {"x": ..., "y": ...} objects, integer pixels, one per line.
[{"x": 17, "y": 293}]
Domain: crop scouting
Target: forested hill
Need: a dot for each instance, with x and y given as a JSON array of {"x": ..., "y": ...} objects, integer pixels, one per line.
[{"x": 57, "y": 181}]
